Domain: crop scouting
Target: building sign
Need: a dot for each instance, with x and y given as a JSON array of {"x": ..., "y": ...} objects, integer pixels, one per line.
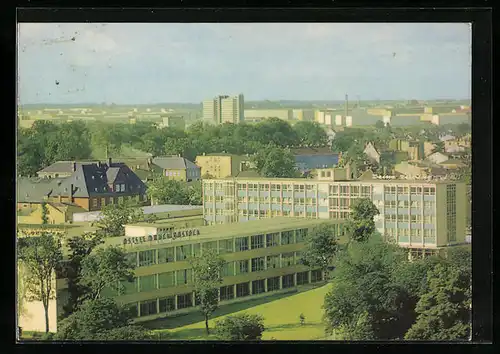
[{"x": 161, "y": 236}]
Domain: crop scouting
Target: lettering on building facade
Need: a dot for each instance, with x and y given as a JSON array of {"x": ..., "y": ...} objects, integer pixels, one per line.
[{"x": 161, "y": 236}]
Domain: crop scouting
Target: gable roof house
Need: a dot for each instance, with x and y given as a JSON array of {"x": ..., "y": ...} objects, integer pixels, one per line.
[
  {"x": 91, "y": 185},
  {"x": 178, "y": 168}
]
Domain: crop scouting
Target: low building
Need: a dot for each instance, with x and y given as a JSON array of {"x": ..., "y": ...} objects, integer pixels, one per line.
[
  {"x": 259, "y": 114},
  {"x": 438, "y": 157},
  {"x": 178, "y": 168},
  {"x": 160, "y": 212},
  {"x": 414, "y": 149},
  {"x": 57, "y": 213},
  {"x": 222, "y": 165},
  {"x": 261, "y": 258},
  {"x": 307, "y": 159},
  {"x": 379, "y": 154},
  {"x": 413, "y": 170},
  {"x": 90, "y": 185}
]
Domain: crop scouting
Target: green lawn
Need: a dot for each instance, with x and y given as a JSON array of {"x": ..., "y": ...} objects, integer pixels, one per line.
[{"x": 281, "y": 318}]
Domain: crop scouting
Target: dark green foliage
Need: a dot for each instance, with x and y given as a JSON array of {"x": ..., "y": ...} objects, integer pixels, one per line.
[
  {"x": 240, "y": 327},
  {"x": 275, "y": 162},
  {"x": 79, "y": 247},
  {"x": 310, "y": 134},
  {"x": 321, "y": 247},
  {"x": 105, "y": 268},
  {"x": 45, "y": 214},
  {"x": 114, "y": 216},
  {"x": 361, "y": 225},
  {"x": 167, "y": 191},
  {"x": 364, "y": 302},
  {"x": 444, "y": 310},
  {"x": 93, "y": 320},
  {"x": 126, "y": 333}
]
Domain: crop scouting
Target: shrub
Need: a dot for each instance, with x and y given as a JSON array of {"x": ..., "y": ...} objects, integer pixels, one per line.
[{"x": 240, "y": 327}]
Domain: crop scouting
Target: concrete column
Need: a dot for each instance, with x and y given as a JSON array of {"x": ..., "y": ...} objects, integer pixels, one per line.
[
  {"x": 175, "y": 254},
  {"x": 309, "y": 276},
  {"x": 250, "y": 287},
  {"x": 139, "y": 309},
  {"x": 279, "y": 238},
  {"x": 193, "y": 298},
  {"x": 137, "y": 258},
  {"x": 281, "y": 282},
  {"x": 234, "y": 290},
  {"x": 157, "y": 305},
  {"x": 175, "y": 302},
  {"x": 294, "y": 279},
  {"x": 265, "y": 285}
]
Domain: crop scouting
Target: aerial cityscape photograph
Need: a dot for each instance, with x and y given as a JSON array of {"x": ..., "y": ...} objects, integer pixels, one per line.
[{"x": 243, "y": 182}]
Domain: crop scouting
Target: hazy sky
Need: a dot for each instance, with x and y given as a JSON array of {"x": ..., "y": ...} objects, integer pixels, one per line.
[{"x": 150, "y": 63}]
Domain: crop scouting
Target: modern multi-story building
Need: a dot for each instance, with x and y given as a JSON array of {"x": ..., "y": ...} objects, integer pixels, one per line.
[
  {"x": 422, "y": 215},
  {"x": 224, "y": 109},
  {"x": 174, "y": 121},
  {"x": 261, "y": 258}
]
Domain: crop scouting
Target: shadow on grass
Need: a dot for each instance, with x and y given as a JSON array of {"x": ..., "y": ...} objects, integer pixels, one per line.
[
  {"x": 190, "y": 318},
  {"x": 287, "y": 326}
]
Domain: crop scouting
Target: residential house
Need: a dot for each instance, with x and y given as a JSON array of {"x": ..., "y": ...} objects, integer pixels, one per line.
[
  {"x": 438, "y": 157},
  {"x": 143, "y": 167},
  {"x": 428, "y": 148},
  {"x": 57, "y": 213},
  {"x": 222, "y": 165},
  {"x": 411, "y": 170},
  {"x": 178, "y": 168},
  {"x": 452, "y": 164},
  {"x": 415, "y": 149},
  {"x": 308, "y": 159},
  {"x": 382, "y": 153},
  {"x": 91, "y": 186}
]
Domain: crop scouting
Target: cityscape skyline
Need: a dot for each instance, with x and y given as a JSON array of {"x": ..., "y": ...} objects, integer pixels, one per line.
[{"x": 76, "y": 63}]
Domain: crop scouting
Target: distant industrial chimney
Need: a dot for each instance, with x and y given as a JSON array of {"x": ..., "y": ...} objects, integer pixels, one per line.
[
  {"x": 74, "y": 166},
  {"x": 346, "y": 105}
]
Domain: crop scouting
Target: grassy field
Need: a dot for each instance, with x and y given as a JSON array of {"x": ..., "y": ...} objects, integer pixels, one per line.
[{"x": 280, "y": 312}]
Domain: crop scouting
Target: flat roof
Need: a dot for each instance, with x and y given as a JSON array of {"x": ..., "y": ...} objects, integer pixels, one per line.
[
  {"x": 312, "y": 181},
  {"x": 222, "y": 231},
  {"x": 165, "y": 222}
]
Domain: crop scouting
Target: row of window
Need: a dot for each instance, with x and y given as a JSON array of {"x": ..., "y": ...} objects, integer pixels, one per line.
[
  {"x": 185, "y": 276},
  {"x": 272, "y": 200},
  {"x": 412, "y": 190},
  {"x": 427, "y": 233},
  {"x": 427, "y": 219},
  {"x": 271, "y": 213},
  {"x": 409, "y": 204},
  {"x": 229, "y": 292},
  {"x": 238, "y": 244},
  {"x": 96, "y": 202}
]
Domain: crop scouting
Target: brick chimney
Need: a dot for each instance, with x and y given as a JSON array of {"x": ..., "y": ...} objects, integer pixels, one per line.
[
  {"x": 109, "y": 162},
  {"x": 71, "y": 193},
  {"x": 74, "y": 166}
]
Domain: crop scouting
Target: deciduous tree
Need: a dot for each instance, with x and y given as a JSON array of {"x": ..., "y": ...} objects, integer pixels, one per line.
[
  {"x": 207, "y": 279},
  {"x": 40, "y": 256},
  {"x": 114, "y": 216},
  {"x": 104, "y": 268},
  {"x": 361, "y": 225},
  {"x": 321, "y": 247}
]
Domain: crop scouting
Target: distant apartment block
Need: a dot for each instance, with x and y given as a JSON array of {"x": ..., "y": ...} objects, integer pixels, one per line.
[
  {"x": 416, "y": 214},
  {"x": 224, "y": 109}
]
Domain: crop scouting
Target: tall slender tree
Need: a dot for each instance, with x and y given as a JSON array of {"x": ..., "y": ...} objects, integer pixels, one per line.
[
  {"x": 207, "y": 279},
  {"x": 40, "y": 256}
]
